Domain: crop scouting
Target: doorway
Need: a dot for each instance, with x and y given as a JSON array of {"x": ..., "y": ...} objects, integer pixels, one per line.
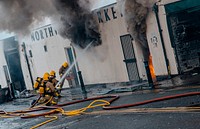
[
  {"x": 14, "y": 65},
  {"x": 70, "y": 54},
  {"x": 129, "y": 57},
  {"x": 185, "y": 29}
]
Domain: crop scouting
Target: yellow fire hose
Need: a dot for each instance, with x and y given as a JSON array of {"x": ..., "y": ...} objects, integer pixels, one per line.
[
  {"x": 57, "y": 110},
  {"x": 45, "y": 122},
  {"x": 4, "y": 114},
  {"x": 71, "y": 113},
  {"x": 82, "y": 110},
  {"x": 104, "y": 103}
]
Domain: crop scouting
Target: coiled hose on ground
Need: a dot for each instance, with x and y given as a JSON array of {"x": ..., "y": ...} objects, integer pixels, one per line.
[{"x": 105, "y": 104}]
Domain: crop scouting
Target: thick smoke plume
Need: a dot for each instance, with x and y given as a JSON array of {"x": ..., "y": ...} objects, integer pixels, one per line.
[
  {"x": 135, "y": 12},
  {"x": 78, "y": 24},
  {"x": 18, "y": 15}
]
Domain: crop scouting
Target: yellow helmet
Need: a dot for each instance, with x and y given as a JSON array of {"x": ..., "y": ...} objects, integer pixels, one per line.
[
  {"x": 36, "y": 85},
  {"x": 38, "y": 79},
  {"x": 46, "y": 76},
  {"x": 52, "y": 73},
  {"x": 65, "y": 64}
]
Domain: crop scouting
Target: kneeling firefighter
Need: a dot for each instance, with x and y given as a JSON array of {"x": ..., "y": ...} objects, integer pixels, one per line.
[
  {"x": 37, "y": 84},
  {"x": 47, "y": 91},
  {"x": 36, "y": 87}
]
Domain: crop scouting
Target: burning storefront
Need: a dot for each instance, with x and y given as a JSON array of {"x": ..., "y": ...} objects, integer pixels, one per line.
[
  {"x": 173, "y": 37},
  {"x": 113, "y": 57},
  {"x": 123, "y": 33}
]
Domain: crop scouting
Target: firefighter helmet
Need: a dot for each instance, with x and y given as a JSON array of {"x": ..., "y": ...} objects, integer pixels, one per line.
[
  {"x": 38, "y": 79},
  {"x": 46, "y": 76},
  {"x": 52, "y": 73},
  {"x": 36, "y": 85},
  {"x": 65, "y": 64}
]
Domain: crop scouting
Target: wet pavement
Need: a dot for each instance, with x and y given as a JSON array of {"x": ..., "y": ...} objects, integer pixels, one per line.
[{"x": 128, "y": 94}]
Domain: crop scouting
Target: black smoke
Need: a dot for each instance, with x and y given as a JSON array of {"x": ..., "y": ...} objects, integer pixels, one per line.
[
  {"x": 78, "y": 23},
  {"x": 135, "y": 13},
  {"x": 18, "y": 15}
]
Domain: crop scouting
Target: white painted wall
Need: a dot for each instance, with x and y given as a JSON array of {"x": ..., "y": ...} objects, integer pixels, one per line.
[
  {"x": 42, "y": 61},
  {"x": 3, "y": 82},
  {"x": 156, "y": 49},
  {"x": 101, "y": 64},
  {"x": 96, "y": 4},
  {"x": 104, "y": 64},
  {"x": 167, "y": 42}
]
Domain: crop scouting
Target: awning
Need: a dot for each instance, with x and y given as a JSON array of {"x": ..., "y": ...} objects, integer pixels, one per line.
[{"x": 188, "y": 5}]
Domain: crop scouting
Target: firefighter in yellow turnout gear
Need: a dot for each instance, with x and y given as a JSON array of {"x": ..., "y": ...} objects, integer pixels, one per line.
[
  {"x": 37, "y": 84},
  {"x": 62, "y": 71},
  {"x": 47, "y": 91}
]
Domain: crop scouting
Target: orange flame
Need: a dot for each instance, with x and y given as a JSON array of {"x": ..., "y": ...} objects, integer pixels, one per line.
[{"x": 152, "y": 69}]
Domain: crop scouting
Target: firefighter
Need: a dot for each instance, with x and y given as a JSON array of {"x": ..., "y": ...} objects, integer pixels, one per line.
[
  {"x": 37, "y": 84},
  {"x": 47, "y": 91},
  {"x": 54, "y": 81},
  {"x": 52, "y": 77},
  {"x": 62, "y": 71}
]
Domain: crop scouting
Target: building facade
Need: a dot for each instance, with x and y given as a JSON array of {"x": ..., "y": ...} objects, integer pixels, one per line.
[
  {"x": 172, "y": 36},
  {"x": 172, "y": 40}
]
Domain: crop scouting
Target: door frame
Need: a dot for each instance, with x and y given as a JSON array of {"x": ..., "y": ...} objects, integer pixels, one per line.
[{"x": 133, "y": 60}]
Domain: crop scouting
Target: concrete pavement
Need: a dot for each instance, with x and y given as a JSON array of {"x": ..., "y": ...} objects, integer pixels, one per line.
[{"x": 127, "y": 120}]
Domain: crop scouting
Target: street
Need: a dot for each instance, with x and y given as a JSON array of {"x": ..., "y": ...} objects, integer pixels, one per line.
[{"x": 156, "y": 115}]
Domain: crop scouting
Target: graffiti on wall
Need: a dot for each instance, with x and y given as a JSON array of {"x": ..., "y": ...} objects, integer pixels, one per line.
[{"x": 154, "y": 40}]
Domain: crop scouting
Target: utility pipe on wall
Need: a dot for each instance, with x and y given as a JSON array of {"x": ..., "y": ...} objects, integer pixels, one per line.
[{"x": 28, "y": 65}]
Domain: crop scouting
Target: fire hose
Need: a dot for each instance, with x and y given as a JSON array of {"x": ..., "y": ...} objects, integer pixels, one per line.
[
  {"x": 113, "y": 98},
  {"x": 152, "y": 100},
  {"x": 104, "y": 104}
]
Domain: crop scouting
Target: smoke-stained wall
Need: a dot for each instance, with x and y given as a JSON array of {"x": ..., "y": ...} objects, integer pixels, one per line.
[
  {"x": 104, "y": 63},
  {"x": 154, "y": 41},
  {"x": 155, "y": 46},
  {"x": 100, "y": 64},
  {"x": 169, "y": 50}
]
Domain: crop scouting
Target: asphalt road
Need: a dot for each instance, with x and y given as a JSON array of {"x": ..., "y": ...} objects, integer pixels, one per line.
[{"x": 117, "y": 120}]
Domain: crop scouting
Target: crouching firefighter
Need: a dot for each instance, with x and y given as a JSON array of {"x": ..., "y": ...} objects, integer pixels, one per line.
[
  {"x": 36, "y": 87},
  {"x": 37, "y": 84},
  {"x": 47, "y": 91}
]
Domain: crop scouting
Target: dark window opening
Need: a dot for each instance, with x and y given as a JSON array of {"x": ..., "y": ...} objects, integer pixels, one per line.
[
  {"x": 45, "y": 48},
  {"x": 30, "y": 53}
]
